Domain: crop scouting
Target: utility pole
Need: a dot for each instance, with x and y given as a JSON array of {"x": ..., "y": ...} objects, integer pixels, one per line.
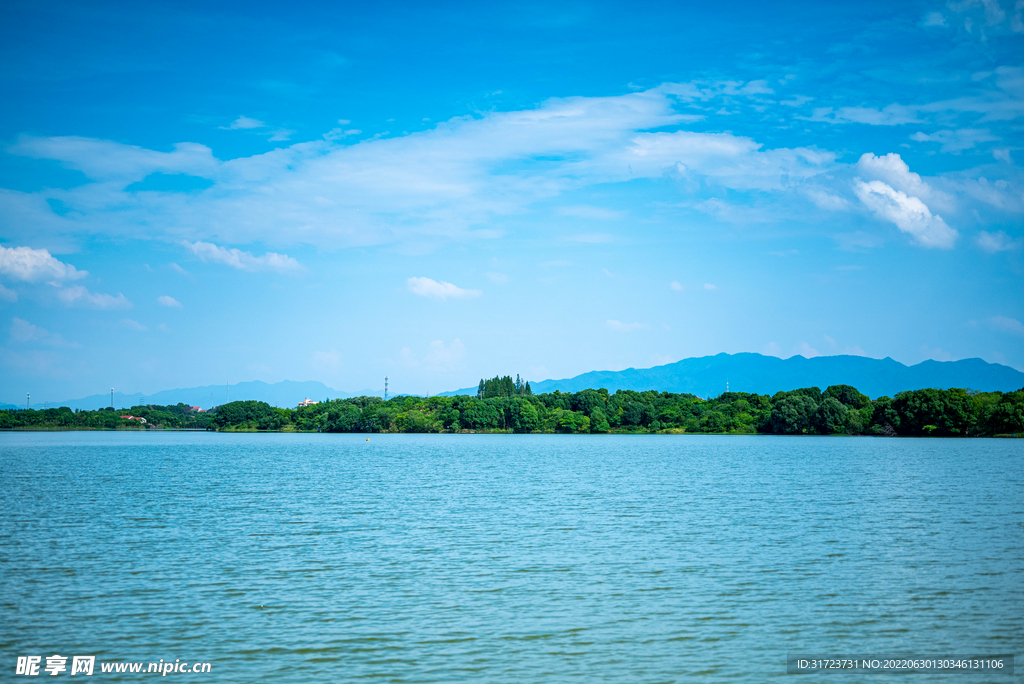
[
  {"x": 111, "y": 397},
  {"x": 28, "y": 400}
]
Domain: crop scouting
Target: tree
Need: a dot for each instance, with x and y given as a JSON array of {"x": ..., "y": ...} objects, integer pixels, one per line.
[
  {"x": 523, "y": 416},
  {"x": 830, "y": 416},
  {"x": 792, "y": 414},
  {"x": 848, "y": 396}
]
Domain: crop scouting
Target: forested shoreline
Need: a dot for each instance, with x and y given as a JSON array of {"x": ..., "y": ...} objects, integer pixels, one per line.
[{"x": 504, "y": 406}]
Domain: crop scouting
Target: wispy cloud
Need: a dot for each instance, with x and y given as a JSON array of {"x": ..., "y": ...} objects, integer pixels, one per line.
[
  {"x": 441, "y": 290},
  {"x": 248, "y": 123},
  {"x": 133, "y": 325},
  {"x": 22, "y": 331},
  {"x": 442, "y": 181},
  {"x": 956, "y": 141},
  {"x": 893, "y": 115},
  {"x": 998, "y": 242},
  {"x": 244, "y": 122},
  {"x": 80, "y": 296},
  {"x": 171, "y": 302},
  {"x": 245, "y": 261},
  {"x": 8, "y": 295},
  {"x": 34, "y": 265},
  {"x": 1006, "y": 324},
  {"x": 675, "y": 286}
]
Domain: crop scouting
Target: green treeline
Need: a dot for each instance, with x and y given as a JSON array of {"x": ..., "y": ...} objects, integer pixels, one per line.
[
  {"x": 177, "y": 417},
  {"x": 504, "y": 405}
]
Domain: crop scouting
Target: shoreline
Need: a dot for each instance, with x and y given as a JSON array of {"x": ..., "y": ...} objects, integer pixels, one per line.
[{"x": 663, "y": 433}]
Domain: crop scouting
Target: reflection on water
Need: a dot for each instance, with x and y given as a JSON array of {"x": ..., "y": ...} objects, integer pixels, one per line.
[{"x": 517, "y": 558}]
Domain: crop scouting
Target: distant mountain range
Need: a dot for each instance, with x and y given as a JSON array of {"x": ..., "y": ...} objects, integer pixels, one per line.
[
  {"x": 284, "y": 394},
  {"x": 707, "y": 376}
]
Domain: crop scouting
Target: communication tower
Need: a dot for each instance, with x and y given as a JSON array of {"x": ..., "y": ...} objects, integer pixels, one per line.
[
  {"x": 111, "y": 397},
  {"x": 28, "y": 400},
  {"x": 385, "y": 388}
]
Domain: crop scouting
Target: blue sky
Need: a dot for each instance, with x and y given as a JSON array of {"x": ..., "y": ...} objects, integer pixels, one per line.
[{"x": 194, "y": 193}]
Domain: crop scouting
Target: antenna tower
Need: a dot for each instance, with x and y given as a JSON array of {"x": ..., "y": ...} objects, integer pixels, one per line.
[
  {"x": 28, "y": 400},
  {"x": 111, "y": 397}
]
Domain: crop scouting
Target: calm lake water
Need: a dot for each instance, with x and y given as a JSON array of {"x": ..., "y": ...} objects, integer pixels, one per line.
[{"x": 507, "y": 558}]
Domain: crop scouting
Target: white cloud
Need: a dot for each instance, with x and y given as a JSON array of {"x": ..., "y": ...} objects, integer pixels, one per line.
[
  {"x": 433, "y": 289},
  {"x": 23, "y": 331},
  {"x": 499, "y": 278},
  {"x": 623, "y": 327},
  {"x": 998, "y": 242},
  {"x": 164, "y": 300},
  {"x": 934, "y": 19},
  {"x": 1005, "y": 324},
  {"x": 772, "y": 349},
  {"x": 910, "y": 214},
  {"x": 244, "y": 122},
  {"x": 893, "y": 115},
  {"x": 281, "y": 134},
  {"x": 133, "y": 325},
  {"x": 756, "y": 88},
  {"x": 33, "y": 265},
  {"x": 956, "y": 141},
  {"x": 894, "y": 171},
  {"x": 236, "y": 258},
  {"x": 826, "y": 200},
  {"x": 806, "y": 350},
  {"x": 709, "y": 286},
  {"x": 80, "y": 296},
  {"x": 109, "y": 161},
  {"x": 1003, "y": 155},
  {"x": 437, "y": 184},
  {"x": 676, "y": 286},
  {"x": 179, "y": 269},
  {"x": 798, "y": 101},
  {"x": 8, "y": 295}
]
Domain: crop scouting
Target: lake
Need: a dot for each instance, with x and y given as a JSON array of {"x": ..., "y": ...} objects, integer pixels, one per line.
[{"x": 507, "y": 558}]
